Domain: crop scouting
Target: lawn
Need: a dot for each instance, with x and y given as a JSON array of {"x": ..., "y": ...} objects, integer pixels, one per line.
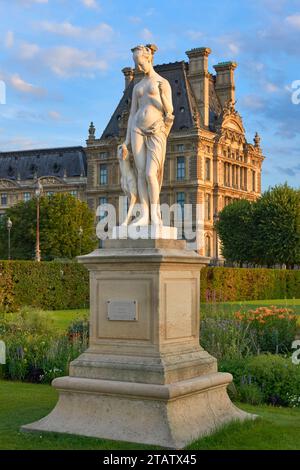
[
  {"x": 21, "y": 403},
  {"x": 63, "y": 318},
  {"x": 251, "y": 304}
]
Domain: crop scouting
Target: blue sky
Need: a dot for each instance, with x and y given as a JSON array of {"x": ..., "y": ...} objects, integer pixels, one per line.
[{"x": 61, "y": 61}]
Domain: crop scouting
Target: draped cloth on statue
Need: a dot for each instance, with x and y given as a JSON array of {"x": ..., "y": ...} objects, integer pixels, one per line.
[{"x": 155, "y": 138}]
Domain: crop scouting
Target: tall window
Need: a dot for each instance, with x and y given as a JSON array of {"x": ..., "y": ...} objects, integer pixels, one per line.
[
  {"x": 26, "y": 197},
  {"x": 3, "y": 199},
  {"x": 253, "y": 181},
  {"x": 241, "y": 177},
  {"x": 245, "y": 179},
  {"x": 180, "y": 147},
  {"x": 102, "y": 213},
  {"x": 207, "y": 245},
  {"x": 180, "y": 169},
  {"x": 207, "y": 206},
  {"x": 207, "y": 169},
  {"x": 103, "y": 174},
  {"x": 180, "y": 200},
  {"x": 74, "y": 193}
]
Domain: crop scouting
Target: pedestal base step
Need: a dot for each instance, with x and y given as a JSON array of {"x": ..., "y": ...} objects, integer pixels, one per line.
[{"x": 170, "y": 416}]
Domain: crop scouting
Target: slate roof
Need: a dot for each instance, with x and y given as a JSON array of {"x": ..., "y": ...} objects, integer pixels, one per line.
[
  {"x": 184, "y": 101},
  {"x": 27, "y": 164}
]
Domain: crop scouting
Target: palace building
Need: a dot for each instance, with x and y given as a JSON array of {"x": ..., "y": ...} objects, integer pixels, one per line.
[{"x": 208, "y": 160}]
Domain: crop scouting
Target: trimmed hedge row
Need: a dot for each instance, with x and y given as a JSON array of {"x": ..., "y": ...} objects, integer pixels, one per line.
[
  {"x": 235, "y": 284},
  {"x": 56, "y": 285},
  {"x": 49, "y": 285}
]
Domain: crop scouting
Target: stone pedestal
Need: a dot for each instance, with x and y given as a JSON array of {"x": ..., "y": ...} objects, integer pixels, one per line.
[{"x": 144, "y": 377}]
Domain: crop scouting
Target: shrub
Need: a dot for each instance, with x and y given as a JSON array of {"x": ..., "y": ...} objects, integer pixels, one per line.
[
  {"x": 235, "y": 284},
  {"x": 277, "y": 378},
  {"x": 250, "y": 393},
  {"x": 274, "y": 328},
  {"x": 47, "y": 285}
]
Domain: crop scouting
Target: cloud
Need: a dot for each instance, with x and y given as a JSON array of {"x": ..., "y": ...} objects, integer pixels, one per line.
[
  {"x": 67, "y": 61},
  {"x": 135, "y": 19},
  {"x": 194, "y": 35},
  {"x": 54, "y": 115},
  {"x": 9, "y": 39},
  {"x": 253, "y": 102},
  {"x": 93, "y": 4},
  {"x": 290, "y": 171},
  {"x": 150, "y": 12},
  {"x": 102, "y": 31},
  {"x": 293, "y": 20},
  {"x": 64, "y": 29},
  {"x": 271, "y": 87},
  {"x": 146, "y": 34},
  {"x": 28, "y": 51},
  {"x": 30, "y": 2},
  {"x": 24, "y": 87}
]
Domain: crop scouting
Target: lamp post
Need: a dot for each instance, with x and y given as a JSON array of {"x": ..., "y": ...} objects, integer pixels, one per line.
[
  {"x": 216, "y": 219},
  {"x": 38, "y": 192},
  {"x": 80, "y": 233},
  {"x": 9, "y": 226}
]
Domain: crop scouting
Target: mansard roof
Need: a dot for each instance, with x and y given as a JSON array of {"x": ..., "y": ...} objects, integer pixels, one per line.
[
  {"x": 29, "y": 164},
  {"x": 184, "y": 103}
]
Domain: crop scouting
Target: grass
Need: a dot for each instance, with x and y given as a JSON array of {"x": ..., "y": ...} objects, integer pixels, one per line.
[
  {"x": 251, "y": 304},
  {"x": 62, "y": 318},
  {"x": 21, "y": 403}
]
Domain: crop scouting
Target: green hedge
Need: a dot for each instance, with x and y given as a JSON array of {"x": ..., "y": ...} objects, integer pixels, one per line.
[
  {"x": 235, "y": 284},
  {"x": 47, "y": 285},
  {"x": 56, "y": 285}
]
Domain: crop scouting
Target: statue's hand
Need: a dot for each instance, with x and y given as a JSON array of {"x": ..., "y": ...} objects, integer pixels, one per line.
[{"x": 123, "y": 151}]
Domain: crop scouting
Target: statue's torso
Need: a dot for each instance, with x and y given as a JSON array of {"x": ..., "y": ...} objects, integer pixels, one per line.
[{"x": 150, "y": 108}]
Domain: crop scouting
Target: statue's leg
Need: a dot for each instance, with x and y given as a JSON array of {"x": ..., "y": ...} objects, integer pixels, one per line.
[
  {"x": 153, "y": 188},
  {"x": 140, "y": 156}
]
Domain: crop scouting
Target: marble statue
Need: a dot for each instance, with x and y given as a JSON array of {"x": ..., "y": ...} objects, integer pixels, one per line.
[{"x": 149, "y": 124}]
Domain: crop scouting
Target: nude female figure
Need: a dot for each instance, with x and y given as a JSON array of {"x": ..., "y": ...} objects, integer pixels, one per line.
[{"x": 150, "y": 121}]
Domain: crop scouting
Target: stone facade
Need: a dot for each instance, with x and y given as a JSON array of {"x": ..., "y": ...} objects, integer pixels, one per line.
[
  {"x": 208, "y": 159},
  {"x": 58, "y": 170}
]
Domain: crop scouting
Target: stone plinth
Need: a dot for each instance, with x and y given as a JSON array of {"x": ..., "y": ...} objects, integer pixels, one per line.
[{"x": 144, "y": 377}]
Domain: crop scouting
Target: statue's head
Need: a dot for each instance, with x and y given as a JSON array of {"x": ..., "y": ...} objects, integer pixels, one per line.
[{"x": 143, "y": 57}]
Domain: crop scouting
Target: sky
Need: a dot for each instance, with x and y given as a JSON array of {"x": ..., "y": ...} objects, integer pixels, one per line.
[{"x": 61, "y": 63}]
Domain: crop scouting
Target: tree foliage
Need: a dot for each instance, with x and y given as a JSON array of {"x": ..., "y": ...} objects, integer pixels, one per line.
[
  {"x": 61, "y": 216},
  {"x": 264, "y": 232}
]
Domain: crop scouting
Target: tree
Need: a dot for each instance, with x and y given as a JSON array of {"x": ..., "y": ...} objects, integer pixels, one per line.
[
  {"x": 235, "y": 227},
  {"x": 277, "y": 239},
  {"x": 61, "y": 216},
  {"x": 265, "y": 232}
]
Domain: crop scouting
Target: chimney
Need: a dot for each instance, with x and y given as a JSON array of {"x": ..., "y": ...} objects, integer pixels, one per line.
[
  {"x": 199, "y": 79},
  {"x": 224, "y": 86},
  {"x": 129, "y": 75}
]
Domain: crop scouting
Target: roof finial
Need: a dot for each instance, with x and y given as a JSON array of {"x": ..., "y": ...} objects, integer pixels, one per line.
[
  {"x": 256, "y": 140},
  {"x": 92, "y": 131}
]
